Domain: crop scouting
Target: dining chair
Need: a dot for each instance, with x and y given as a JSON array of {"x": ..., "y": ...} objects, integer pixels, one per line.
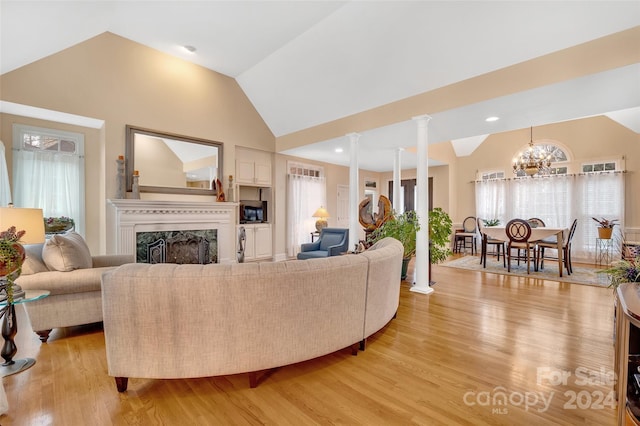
[
  {"x": 485, "y": 241},
  {"x": 536, "y": 222},
  {"x": 467, "y": 234},
  {"x": 518, "y": 231},
  {"x": 553, "y": 244}
]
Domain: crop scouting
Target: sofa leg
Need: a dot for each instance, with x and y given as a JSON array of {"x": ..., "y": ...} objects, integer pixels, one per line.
[
  {"x": 44, "y": 335},
  {"x": 121, "y": 383},
  {"x": 253, "y": 379},
  {"x": 363, "y": 344},
  {"x": 354, "y": 349}
]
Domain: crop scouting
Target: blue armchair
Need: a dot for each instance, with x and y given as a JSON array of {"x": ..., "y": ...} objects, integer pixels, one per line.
[{"x": 332, "y": 242}]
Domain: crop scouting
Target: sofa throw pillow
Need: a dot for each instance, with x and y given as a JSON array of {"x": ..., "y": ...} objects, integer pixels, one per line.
[
  {"x": 33, "y": 262},
  {"x": 66, "y": 252}
]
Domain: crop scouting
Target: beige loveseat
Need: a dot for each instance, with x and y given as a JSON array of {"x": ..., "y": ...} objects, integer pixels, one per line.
[
  {"x": 187, "y": 321},
  {"x": 72, "y": 276}
]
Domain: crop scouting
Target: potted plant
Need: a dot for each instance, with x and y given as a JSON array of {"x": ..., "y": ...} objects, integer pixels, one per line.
[
  {"x": 403, "y": 228},
  {"x": 56, "y": 225},
  {"x": 440, "y": 228},
  {"x": 623, "y": 271},
  {"x": 606, "y": 227},
  {"x": 12, "y": 255},
  {"x": 491, "y": 222}
]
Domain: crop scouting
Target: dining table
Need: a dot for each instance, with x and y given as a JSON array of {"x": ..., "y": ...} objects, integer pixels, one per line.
[{"x": 538, "y": 233}]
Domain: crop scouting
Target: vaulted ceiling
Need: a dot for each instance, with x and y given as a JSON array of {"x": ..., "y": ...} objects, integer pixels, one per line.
[{"x": 304, "y": 64}]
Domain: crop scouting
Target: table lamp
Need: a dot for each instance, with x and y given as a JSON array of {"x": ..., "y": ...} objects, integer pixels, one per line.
[
  {"x": 29, "y": 220},
  {"x": 322, "y": 214}
]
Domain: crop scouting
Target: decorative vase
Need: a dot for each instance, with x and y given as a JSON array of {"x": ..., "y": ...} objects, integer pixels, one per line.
[
  {"x": 9, "y": 266},
  {"x": 605, "y": 233},
  {"x": 135, "y": 188},
  {"x": 405, "y": 267},
  {"x": 120, "y": 179}
]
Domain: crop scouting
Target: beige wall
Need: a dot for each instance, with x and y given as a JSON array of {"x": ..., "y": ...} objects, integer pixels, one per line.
[{"x": 121, "y": 82}]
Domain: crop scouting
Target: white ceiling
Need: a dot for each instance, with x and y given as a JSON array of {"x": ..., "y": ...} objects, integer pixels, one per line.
[{"x": 304, "y": 63}]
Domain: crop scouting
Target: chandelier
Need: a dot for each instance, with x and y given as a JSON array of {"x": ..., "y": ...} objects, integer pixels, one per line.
[{"x": 534, "y": 160}]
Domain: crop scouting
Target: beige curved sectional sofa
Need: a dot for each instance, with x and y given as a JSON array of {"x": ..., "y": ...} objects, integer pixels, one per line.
[{"x": 185, "y": 321}]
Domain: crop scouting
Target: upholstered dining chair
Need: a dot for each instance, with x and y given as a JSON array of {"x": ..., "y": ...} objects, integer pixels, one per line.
[
  {"x": 518, "y": 231},
  {"x": 467, "y": 234},
  {"x": 552, "y": 244},
  {"x": 536, "y": 222},
  {"x": 486, "y": 241}
]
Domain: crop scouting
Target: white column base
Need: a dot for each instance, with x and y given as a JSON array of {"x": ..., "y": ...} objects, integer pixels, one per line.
[{"x": 423, "y": 289}]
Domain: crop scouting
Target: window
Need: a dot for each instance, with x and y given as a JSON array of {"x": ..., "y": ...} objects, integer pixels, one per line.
[
  {"x": 306, "y": 192},
  {"x": 492, "y": 175},
  {"x": 557, "y": 200},
  {"x": 48, "y": 172},
  {"x": 547, "y": 150},
  {"x": 608, "y": 166}
]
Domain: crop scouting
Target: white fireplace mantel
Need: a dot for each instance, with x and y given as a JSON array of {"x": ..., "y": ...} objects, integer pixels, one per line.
[{"x": 127, "y": 217}]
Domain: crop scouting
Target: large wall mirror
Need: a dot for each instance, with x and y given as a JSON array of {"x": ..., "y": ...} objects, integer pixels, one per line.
[{"x": 174, "y": 164}]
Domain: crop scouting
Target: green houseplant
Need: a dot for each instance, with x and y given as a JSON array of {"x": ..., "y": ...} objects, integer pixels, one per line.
[
  {"x": 440, "y": 228},
  {"x": 404, "y": 228},
  {"x": 606, "y": 227}
]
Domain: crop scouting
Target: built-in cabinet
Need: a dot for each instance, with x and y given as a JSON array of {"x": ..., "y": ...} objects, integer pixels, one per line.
[
  {"x": 259, "y": 242},
  {"x": 253, "y": 167},
  {"x": 253, "y": 179}
]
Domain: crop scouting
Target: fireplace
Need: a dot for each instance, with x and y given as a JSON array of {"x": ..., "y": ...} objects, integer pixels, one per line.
[
  {"x": 215, "y": 222},
  {"x": 182, "y": 247}
]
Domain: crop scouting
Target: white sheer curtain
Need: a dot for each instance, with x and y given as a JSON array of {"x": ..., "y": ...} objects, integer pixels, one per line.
[
  {"x": 557, "y": 200},
  {"x": 546, "y": 198},
  {"x": 490, "y": 199},
  {"x": 5, "y": 189},
  {"x": 305, "y": 195},
  {"x": 51, "y": 182},
  {"x": 597, "y": 195}
]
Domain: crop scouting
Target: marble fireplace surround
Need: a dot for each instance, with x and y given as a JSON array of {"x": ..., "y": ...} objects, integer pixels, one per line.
[{"x": 127, "y": 217}]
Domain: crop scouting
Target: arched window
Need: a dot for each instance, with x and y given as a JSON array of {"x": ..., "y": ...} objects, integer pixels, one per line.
[{"x": 546, "y": 149}]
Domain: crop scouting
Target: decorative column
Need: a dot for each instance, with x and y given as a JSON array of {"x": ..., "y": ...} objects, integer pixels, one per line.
[
  {"x": 397, "y": 183},
  {"x": 422, "y": 239},
  {"x": 353, "y": 190}
]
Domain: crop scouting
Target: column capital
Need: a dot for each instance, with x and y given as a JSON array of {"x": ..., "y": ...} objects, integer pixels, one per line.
[
  {"x": 353, "y": 135},
  {"x": 422, "y": 119}
]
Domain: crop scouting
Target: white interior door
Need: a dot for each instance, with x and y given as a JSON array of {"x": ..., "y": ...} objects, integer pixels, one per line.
[{"x": 342, "y": 221}]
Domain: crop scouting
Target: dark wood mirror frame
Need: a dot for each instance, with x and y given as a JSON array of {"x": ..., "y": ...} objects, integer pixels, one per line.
[{"x": 131, "y": 131}]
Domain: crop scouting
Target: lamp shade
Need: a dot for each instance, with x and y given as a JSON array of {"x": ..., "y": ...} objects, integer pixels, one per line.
[
  {"x": 321, "y": 213},
  {"x": 29, "y": 220}
]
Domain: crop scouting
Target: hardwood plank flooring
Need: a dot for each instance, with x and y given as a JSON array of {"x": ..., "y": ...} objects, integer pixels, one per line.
[{"x": 445, "y": 360}]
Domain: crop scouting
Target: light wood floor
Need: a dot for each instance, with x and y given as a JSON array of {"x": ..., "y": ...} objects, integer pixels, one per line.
[{"x": 477, "y": 335}]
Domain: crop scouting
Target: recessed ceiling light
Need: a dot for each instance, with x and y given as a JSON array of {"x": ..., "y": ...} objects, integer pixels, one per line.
[
  {"x": 189, "y": 49},
  {"x": 490, "y": 119},
  {"x": 338, "y": 150}
]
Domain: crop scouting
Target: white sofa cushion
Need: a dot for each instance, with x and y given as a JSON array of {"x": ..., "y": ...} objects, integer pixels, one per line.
[{"x": 66, "y": 252}]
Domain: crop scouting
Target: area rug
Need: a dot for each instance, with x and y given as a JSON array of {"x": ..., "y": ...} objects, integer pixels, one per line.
[{"x": 580, "y": 275}]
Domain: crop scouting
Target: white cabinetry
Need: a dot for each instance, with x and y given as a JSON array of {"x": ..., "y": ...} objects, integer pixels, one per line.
[
  {"x": 258, "y": 243},
  {"x": 253, "y": 167}
]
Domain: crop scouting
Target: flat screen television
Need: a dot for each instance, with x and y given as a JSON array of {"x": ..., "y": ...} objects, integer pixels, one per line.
[{"x": 253, "y": 211}]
